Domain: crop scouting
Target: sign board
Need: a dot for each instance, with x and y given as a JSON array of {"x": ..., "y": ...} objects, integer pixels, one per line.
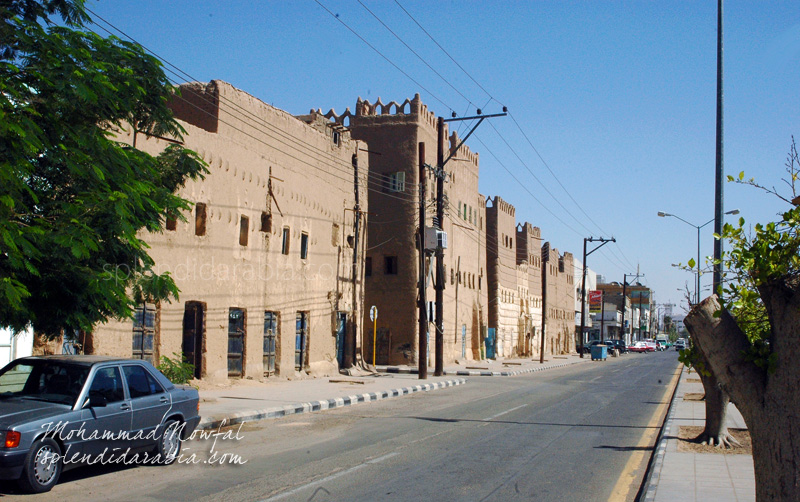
[
  {"x": 373, "y": 313},
  {"x": 595, "y": 301}
]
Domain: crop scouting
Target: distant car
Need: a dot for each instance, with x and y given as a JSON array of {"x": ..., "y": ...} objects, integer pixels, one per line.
[
  {"x": 58, "y": 410},
  {"x": 587, "y": 348},
  {"x": 620, "y": 346},
  {"x": 680, "y": 345},
  {"x": 639, "y": 347},
  {"x": 661, "y": 345}
]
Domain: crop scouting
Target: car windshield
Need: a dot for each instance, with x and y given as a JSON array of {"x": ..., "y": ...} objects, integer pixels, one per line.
[{"x": 43, "y": 380}]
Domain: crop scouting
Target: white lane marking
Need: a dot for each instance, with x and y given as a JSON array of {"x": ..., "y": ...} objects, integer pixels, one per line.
[
  {"x": 504, "y": 412},
  {"x": 332, "y": 476}
]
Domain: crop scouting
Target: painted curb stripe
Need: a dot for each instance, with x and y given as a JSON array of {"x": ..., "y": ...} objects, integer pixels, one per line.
[
  {"x": 661, "y": 449},
  {"x": 292, "y": 409}
]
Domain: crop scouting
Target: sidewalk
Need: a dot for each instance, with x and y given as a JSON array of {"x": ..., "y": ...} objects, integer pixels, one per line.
[
  {"x": 490, "y": 367},
  {"x": 689, "y": 476},
  {"x": 249, "y": 401}
]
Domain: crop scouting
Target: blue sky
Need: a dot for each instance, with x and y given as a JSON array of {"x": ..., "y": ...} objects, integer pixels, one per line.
[{"x": 618, "y": 99}]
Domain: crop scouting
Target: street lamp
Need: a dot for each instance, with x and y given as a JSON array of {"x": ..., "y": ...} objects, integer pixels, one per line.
[{"x": 698, "y": 227}]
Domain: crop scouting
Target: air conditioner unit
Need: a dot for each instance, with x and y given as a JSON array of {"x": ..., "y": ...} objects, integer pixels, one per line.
[{"x": 435, "y": 238}]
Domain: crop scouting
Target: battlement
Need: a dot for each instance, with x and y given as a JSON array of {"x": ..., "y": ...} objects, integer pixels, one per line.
[
  {"x": 530, "y": 230},
  {"x": 501, "y": 205},
  {"x": 466, "y": 153},
  {"x": 366, "y": 109}
]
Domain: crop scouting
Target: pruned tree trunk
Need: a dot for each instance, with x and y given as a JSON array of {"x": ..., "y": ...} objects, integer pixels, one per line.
[
  {"x": 769, "y": 401},
  {"x": 716, "y": 429}
]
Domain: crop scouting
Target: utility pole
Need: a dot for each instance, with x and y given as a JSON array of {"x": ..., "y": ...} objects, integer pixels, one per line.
[
  {"x": 720, "y": 170},
  {"x": 423, "y": 307},
  {"x": 602, "y": 315},
  {"x": 439, "y": 366},
  {"x": 602, "y": 242},
  {"x": 352, "y": 334},
  {"x": 441, "y": 179},
  {"x": 624, "y": 303},
  {"x": 545, "y": 262}
]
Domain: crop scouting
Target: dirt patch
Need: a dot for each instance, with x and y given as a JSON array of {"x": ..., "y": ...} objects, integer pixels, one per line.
[
  {"x": 687, "y": 434},
  {"x": 694, "y": 396},
  {"x": 694, "y": 380}
]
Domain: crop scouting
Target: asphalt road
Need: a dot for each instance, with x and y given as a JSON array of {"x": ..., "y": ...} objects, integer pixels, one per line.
[{"x": 580, "y": 433}]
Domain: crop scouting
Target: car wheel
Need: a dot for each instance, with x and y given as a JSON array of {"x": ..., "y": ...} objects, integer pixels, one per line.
[
  {"x": 42, "y": 466},
  {"x": 169, "y": 443}
]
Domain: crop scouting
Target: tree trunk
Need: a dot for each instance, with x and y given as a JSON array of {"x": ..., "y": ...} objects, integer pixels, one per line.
[
  {"x": 716, "y": 430},
  {"x": 769, "y": 400}
]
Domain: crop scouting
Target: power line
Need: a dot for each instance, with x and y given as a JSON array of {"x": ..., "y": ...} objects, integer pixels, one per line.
[
  {"x": 416, "y": 54},
  {"x": 384, "y": 57},
  {"x": 443, "y": 50}
]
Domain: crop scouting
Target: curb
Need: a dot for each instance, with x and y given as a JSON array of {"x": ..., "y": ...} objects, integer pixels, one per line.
[
  {"x": 215, "y": 422},
  {"x": 414, "y": 371},
  {"x": 657, "y": 462}
]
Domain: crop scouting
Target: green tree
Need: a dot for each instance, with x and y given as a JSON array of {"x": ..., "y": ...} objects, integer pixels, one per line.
[
  {"x": 750, "y": 340},
  {"x": 75, "y": 202}
]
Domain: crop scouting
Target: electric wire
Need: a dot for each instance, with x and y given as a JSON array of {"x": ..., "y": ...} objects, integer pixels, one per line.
[
  {"x": 434, "y": 96},
  {"x": 180, "y": 73}
]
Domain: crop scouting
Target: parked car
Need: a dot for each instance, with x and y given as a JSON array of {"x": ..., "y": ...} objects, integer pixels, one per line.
[
  {"x": 680, "y": 344},
  {"x": 620, "y": 346},
  {"x": 639, "y": 347},
  {"x": 587, "y": 348},
  {"x": 57, "y": 412}
]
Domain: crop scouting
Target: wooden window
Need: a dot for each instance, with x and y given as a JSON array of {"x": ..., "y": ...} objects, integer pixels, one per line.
[
  {"x": 266, "y": 222},
  {"x": 368, "y": 266},
  {"x": 200, "y": 219},
  {"x": 236, "y": 334},
  {"x": 270, "y": 338},
  {"x": 390, "y": 265},
  {"x": 144, "y": 330},
  {"x": 303, "y": 246},
  {"x": 244, "y": 230},
  {"x": 397, "y": 182},
  {"x": 172, "y": 223},
  {"x": 285, "y": 241}
]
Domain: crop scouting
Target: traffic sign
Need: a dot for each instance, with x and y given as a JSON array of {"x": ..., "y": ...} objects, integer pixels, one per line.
[{"x": 373, "y": 313}]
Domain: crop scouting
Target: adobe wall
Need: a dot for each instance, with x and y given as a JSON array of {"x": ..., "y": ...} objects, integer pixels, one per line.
[
  {"x": 560, "y": 307},
  {"x": 393, "y": 132},
  {"x": 504, "y": 312},
  {"x": 312, "y": 195},
  {"x": 529, "y": 264}
]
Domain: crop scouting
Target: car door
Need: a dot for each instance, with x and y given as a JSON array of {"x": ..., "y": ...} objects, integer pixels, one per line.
[
  {"x": 149, "y": 404},
  {"x": 108, "y": 414}
]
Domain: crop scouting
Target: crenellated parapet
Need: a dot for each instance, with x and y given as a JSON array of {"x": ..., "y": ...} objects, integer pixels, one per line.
[
  {"x": 364, "y": 108},
  {"x": 464, "y": 152},
  {"x": 530, "y": 230},
  {"x": 502, "y": 205}
]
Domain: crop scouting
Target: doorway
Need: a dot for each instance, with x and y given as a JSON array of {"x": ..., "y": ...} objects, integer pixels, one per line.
[{"x": 193, "y": 335}]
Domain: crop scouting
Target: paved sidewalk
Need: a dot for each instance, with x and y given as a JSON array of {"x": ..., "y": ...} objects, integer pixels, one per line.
[
  {"x": 678, "y": 476},
  {"x": 249, "y": 401},
  {"x": 489, "y": 367}
]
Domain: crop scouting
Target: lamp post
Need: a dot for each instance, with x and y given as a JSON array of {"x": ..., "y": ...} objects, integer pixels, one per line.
[{"x": 698, "y": 227}]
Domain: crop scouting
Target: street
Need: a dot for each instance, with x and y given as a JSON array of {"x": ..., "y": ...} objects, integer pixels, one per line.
[{"x": 584, "y": 432}]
